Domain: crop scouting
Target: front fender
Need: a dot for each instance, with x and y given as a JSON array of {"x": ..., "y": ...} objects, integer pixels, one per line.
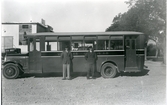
[
  {"x": 4, "y": 63},
  {"x": 14, "y": 62}
]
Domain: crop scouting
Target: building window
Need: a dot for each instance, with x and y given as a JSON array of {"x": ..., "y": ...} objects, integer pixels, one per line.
[{"x": 25, "y": 26}]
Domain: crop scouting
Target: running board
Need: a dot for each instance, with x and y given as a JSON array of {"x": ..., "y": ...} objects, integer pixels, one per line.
[{"x": 132, "y": 69}]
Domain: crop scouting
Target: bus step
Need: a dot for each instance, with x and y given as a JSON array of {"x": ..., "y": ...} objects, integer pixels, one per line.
[{"x": 132, "y": 69}]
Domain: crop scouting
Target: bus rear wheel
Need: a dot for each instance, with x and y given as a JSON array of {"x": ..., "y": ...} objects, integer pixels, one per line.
[
  {"x": 10, "y": 71},
  {"x": 108, "y": 70}
]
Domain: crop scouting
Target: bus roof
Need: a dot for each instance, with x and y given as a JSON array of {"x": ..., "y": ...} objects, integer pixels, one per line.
[{"x": 84, "y": 33}]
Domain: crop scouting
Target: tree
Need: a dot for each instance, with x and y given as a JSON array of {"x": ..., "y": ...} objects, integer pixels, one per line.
[{"x": 147, "y": 16}]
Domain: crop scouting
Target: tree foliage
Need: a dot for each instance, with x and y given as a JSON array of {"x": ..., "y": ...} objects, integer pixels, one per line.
[{"x": 147, "y": 16}]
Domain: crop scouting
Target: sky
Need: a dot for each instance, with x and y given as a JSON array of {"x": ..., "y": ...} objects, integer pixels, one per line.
[{"x": 64, "y": 15}]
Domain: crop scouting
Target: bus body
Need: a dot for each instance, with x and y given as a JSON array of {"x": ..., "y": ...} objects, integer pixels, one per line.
[{"x": 117, "y": 52}]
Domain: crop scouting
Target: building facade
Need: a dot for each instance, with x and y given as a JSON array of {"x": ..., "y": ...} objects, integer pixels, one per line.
[{"x": 14, "y": 34}]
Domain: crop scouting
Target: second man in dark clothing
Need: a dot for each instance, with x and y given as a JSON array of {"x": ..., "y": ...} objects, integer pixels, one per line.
[{"x": 91, "y": 58}]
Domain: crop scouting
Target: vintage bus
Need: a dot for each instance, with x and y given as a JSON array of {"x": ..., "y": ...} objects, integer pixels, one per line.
[{"x": 118, "y": 51}]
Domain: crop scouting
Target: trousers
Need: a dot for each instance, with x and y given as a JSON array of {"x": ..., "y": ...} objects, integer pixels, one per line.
[
  {"x": 66, "y": 70},
  {"x": 91, "y": 69}
]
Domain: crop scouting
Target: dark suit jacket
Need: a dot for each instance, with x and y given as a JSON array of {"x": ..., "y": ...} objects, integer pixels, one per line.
[
  {"x": 91, "y": 57},
  {"x": 66, "y": 57}
]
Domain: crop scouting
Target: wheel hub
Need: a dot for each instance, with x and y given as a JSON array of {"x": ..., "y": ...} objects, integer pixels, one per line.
[
  {"x": 108, "y": 71},
  {"x": 10, "y": 71}
]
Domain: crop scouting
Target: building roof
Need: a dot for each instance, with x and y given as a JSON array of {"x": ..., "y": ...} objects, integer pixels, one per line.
[{"x": 13, "y": 23}]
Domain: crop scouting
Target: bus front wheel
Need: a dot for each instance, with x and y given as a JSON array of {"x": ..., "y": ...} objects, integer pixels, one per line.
[
  {"x": 10, "y": 71},
  {"x": 108, "y": 70}
]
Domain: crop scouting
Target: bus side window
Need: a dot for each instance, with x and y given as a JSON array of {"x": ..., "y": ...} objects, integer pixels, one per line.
[
  {"x": 112, "y": 45},
  {"x": 90, "y": 41},
  {"x": 116, "y": 44},
  {"x": 103, "y": 45},
  {"x": 31, "y": 44},
  {"x": 103, "y": 42},
  {"x": 74, "y": 46},
  {"x": 77, "y": 45}
]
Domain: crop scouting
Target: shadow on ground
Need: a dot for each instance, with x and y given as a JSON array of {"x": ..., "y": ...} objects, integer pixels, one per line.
[
  {"x": 83, "y": 74},
  {"x": 133, "y": 74},
  {"x": 46, "y": 75},
  {"x": 156, "y": 59}
]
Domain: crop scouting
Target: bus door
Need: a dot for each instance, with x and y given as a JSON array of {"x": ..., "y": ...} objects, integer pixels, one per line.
[
  {"x": 130, "y": 48},
  {"x": 35, "y": 64}
]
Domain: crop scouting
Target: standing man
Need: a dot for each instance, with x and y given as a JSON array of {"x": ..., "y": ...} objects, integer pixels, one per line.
[
  {"x": 91, "y": 58},
  {"x": 66, "y": 60}
]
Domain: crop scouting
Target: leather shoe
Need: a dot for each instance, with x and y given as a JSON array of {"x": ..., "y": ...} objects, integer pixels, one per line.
[
  {"x": 69, "y": 79},
  {"x": 93, "y": 78},
  {"x": 64, "y": 79}
]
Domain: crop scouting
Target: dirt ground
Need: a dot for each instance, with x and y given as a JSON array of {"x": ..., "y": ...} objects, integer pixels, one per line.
[{"x": 148, "y": 88}]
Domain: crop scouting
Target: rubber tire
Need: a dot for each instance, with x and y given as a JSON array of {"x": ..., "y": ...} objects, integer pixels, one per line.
[
  {"x": 108, "y": 70},
  {"x": 15, "y": 71}
]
